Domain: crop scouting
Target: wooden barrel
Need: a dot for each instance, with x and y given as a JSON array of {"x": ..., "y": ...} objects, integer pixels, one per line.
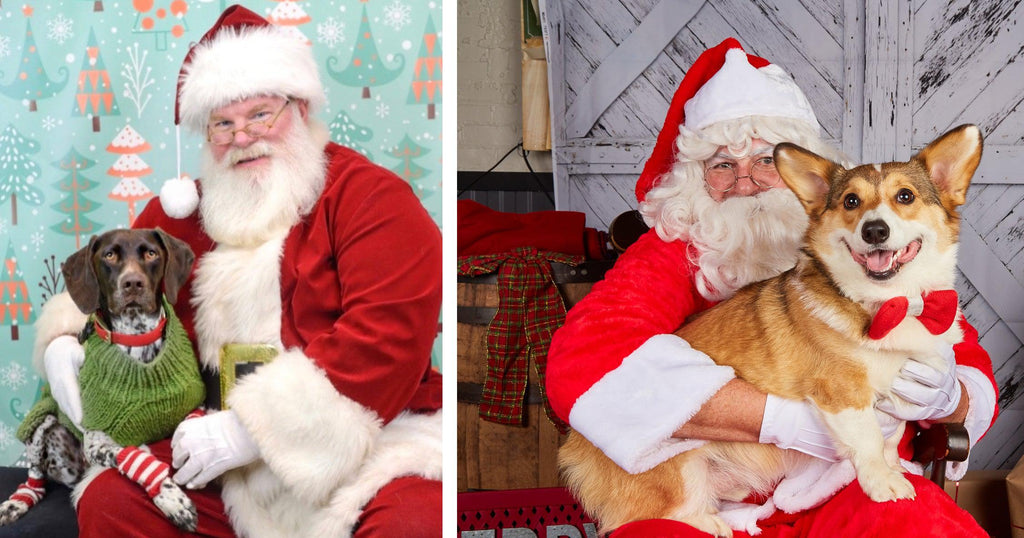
[{"x": 498, "y": 456}]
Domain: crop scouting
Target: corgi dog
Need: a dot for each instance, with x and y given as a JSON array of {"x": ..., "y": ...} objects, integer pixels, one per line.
[{"x": 876, "y": 232}]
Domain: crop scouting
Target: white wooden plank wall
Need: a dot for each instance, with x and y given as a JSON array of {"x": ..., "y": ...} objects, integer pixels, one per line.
[{"x": 885, "y": 78}]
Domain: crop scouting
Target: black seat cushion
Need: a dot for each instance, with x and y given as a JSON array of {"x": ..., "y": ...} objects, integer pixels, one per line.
[{"x": 53, "y": 517}]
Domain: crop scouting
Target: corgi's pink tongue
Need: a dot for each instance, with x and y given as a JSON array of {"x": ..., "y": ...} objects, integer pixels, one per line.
[{"x": 879, "y": 260}]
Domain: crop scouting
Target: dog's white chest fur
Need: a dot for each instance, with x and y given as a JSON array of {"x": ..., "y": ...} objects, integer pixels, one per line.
[{"x": 237, "y": 297}]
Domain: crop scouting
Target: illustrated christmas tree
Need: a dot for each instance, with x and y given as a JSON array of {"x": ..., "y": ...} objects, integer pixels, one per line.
[
  {"x": 129, "y": 167},
  {"x": 365, "y": 69},
  {"x": 406, "y": 152},
  {"x": 31, "y": 83},
  {"x": 97, "y": 5},
  {"x": 160, "y": 19},
  {"x": 350, "y": 134},
  {"x": 95, "y": 96},
  {"x": 426, "y": 76},
  {"x": 17, "y": 171},
  {"x": 15, "y": 306},
  {"x": 290, "y": 15},
  {"x": 75, "y": 204}
]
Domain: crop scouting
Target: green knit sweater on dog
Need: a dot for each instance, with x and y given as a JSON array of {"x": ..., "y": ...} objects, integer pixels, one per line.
[{"x": 133, "y": 403}]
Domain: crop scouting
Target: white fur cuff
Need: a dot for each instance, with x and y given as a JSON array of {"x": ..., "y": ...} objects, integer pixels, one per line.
[
  {"x": 632, "y": 412},
  {"x": 312, "y": 437},
  {"x": 59, "y": 316}
]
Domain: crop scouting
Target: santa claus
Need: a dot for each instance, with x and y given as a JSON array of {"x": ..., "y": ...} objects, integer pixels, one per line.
[
  {"x": 721, "y": 218},
  {"x": 308, "y": 250}
]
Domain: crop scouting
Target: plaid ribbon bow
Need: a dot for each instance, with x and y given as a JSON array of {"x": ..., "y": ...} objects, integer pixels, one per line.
[{"x": 530, "y": 309}]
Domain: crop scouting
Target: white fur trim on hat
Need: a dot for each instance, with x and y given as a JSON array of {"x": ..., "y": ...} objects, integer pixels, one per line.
[
  {"x": 248, "y": 62},
  {"x": 739, "y": 90}
]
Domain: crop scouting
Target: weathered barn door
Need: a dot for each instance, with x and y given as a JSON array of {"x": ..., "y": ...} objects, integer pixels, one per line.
[{"x": 884, "y": 77}]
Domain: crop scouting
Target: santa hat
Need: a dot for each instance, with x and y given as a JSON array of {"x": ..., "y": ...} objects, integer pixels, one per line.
[
  {"x": 241, "y": 56},
  {"x": 725, "y": 83}
]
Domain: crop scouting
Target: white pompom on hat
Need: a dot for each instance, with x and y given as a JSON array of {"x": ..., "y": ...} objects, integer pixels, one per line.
[
  {"x": 179, "y": 197},
  {"x": 244, "y": 56}
]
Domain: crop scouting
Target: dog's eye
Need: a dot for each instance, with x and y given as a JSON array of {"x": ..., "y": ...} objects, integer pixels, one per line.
[
  {"x": 905, "y": 196},
  {"x": 110, "y": 256},
  {"x": 851, "y": 201},
  {"x": 150, "y": 255}
]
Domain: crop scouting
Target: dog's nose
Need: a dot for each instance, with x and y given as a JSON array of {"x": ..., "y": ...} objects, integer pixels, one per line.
[
  {"x": 875, "y": 231},
  {"x": 132, "y": 282}
]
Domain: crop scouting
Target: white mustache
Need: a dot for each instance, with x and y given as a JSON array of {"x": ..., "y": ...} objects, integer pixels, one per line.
[{"x": 255, "y": 151}]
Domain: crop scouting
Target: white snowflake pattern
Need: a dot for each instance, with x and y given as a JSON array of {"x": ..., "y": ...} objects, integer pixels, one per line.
[
  {"x": 60, "y": 28},
  {"x": 383, "y": 110},
  {"x": 13, "y": 376},
  {"x": 397, "y": 15},
  {"x": 37, "y": 239},
  {"x": 7, "y": 437},
  {"x": 49, "y": 123},
  {"x": 5, "y": 46},
  {"x": 330, "y": 32}
]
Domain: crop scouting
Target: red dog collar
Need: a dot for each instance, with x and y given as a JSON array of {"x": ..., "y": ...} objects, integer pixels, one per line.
[{"x": 130, "y": 340}]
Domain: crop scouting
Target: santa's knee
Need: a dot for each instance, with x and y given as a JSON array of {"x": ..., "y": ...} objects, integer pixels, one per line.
[
  {"x": 932, "y": 512},
  {"x": 408, "y": 506},
  {"x": 108, "y": 503}
]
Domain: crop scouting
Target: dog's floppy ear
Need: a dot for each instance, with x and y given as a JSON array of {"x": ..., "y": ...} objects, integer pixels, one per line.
[
  {"x": 951, "y": 161},
  {"x": 80, "y": 278},
  {"x": 179, "y": 263},
  {"x": 806, "y": 174}
]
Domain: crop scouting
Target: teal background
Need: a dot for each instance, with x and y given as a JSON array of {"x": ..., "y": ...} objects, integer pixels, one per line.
[{"x": 44, "y": 48}]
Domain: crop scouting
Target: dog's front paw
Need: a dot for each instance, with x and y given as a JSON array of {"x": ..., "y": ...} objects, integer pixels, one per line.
[
  {"x": 886, "y": 485},
  {"x": 11, "y": 511},
  {"x": 711, "y": 524},
  {"x": 178, "y": 508}
]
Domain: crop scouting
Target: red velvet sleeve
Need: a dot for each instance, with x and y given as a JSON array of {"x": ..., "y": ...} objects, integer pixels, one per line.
[
  {"x": 969, "y": 353},
  {"x": 648, "y": 292},
  {"x": 361, "y": 288}
]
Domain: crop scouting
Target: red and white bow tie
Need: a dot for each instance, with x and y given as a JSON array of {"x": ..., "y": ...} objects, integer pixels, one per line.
[{"x": 935, "y": 310}]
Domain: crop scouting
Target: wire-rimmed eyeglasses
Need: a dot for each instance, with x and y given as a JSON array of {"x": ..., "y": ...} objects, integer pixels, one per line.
[
  {"x": 224, "y": 135},
  {"x": 722, "y": 176}
]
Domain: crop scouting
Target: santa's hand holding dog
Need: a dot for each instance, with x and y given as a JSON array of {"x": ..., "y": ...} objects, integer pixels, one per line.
[{"x": 720, "y": 219}]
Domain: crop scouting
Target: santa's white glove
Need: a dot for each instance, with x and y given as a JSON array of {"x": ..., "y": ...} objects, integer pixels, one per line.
[
  {"x": 203, "y": 448},
  {"x": 798, "y": 425},
  {"x": 62, "y": 361},
  {"x": 927, "y": 393}
]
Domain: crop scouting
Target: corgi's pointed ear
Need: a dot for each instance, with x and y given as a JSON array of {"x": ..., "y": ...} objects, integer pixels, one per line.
[
  {"x": 951, "y": 161},
  {"x": 806, "y": 173}
]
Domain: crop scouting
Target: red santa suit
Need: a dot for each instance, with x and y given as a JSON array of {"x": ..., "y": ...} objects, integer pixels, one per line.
[
  {"x": 350, "y": 296},
  {"x": 351, "y": 404},
  {"x": 621, "y": 379}
]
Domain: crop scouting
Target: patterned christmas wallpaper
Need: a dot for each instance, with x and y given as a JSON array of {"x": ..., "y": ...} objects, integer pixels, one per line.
[{"x": 87, "y": 131}]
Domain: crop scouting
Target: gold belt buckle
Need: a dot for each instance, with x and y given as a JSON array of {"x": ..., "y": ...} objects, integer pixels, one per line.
[{"x": 239, "y": 360}]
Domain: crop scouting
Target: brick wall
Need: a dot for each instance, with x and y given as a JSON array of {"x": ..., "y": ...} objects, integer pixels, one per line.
[{"x": 489, "y": 93}]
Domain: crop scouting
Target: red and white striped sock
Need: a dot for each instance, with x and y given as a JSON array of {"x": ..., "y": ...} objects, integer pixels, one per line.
[
  {"x": 30, "y": 491},
  {"x": 143, "y": 468}
]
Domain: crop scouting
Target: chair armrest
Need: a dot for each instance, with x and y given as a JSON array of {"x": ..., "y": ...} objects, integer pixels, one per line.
[{"x": 941, "y": 443}]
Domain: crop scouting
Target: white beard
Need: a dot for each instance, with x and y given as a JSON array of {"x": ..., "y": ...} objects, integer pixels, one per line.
[
  {"x": 744, "y": 239},
  {"x": 246, "y": 208}
]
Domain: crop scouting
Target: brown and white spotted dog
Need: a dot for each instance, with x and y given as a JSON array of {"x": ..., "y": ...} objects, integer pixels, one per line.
[{"x": 122, "y": 277}]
